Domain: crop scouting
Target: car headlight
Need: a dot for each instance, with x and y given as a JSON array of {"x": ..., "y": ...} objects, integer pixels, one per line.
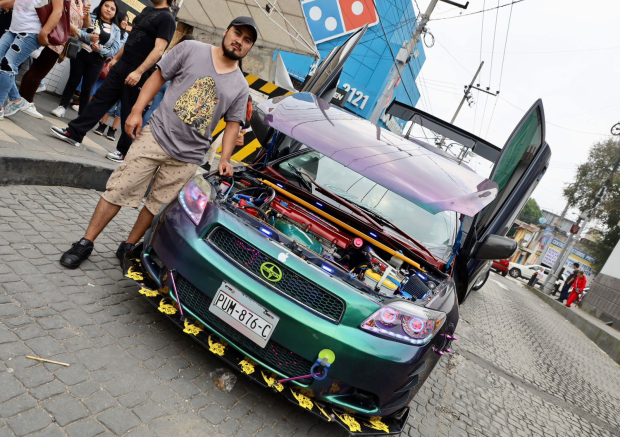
[
  {"x": 194, "y": 198},
  {"x": 405, "y": 322}
]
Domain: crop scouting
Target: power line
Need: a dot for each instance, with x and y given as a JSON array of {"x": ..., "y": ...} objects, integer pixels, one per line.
[
  {"x": 480, "y": 60},
  {"x": 457, "y": 61},
  {"x": 501, "y": 73},
  {"x": 486, "y": 100},
  {"x": 478, "y": 12}
]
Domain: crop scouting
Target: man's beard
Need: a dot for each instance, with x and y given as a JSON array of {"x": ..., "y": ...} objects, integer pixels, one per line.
[{"x": 230, "y": 54}]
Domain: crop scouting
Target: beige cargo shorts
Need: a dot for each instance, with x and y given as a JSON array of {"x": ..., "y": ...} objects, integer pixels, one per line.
[{"x": 147, "y": 161}]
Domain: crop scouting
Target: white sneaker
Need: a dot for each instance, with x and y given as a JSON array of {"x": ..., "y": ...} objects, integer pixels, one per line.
[
  {"x": 31, "y": 110},
  {"x": 59, "y": 112},
  {"x": 76, "y": 108},
  {"x": 1, "y": 114},
  {"x": 42, "y": 88},
  {"x": 115, "y": 156},
  {"x": 13, "y": 108}
]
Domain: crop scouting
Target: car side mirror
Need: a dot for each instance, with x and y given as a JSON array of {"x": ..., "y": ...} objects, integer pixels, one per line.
[
  {"x": 496, "y": 247},
  {"x": 261, "y": 130}
]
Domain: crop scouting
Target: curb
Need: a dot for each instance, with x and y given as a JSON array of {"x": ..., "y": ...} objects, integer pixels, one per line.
[
  {"x": 605, "y": 341},
  {"x": 29, "y": 171}
]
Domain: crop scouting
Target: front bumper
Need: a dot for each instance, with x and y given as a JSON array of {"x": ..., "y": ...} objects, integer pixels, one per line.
[{"x": 372, "y": 378}]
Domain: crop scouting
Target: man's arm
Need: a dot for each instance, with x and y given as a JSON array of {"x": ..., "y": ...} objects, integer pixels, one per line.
[
  {"x": 231, "y": 132},
  {"x": 149, "y": 90},
  {"x": 152, "y": 58},
  {"x": 7, "y": 4},
  {"x": 117, "y": 57}
]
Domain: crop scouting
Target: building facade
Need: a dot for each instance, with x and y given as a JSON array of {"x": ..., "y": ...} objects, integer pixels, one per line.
[{"x": 366, "y": 72}]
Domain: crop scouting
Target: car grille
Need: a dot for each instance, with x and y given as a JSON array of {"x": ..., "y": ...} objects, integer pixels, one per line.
[
  {"x": 292, "y": 284},
  {"x": 273, "y": 354},
  {"x": 415, "y": 287}
]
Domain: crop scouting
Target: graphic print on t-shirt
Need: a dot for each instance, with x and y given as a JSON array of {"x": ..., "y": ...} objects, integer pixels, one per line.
[{"x": 197, "y": 105}]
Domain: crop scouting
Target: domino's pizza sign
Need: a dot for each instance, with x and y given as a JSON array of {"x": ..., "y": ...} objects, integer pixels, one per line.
[{"x": 328, "y": 19}]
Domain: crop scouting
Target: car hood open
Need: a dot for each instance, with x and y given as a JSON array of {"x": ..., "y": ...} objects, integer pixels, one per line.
[{"x": 414, "y": 170}]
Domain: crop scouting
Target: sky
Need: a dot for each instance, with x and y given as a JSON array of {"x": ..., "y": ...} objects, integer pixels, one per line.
[{"x": 560, "y": 52}]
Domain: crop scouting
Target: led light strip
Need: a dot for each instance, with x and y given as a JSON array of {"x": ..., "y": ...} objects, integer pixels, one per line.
[{"x": 344, "y": 225}]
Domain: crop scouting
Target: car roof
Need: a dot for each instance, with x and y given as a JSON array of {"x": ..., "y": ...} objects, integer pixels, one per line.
[{"x": 414, "y": 170}]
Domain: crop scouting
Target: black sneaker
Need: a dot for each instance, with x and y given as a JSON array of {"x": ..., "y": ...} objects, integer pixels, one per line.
[
  {"x": 64, "y": 135},
  {"x": 79, "y": 251},
  {"x": 111, "y": 133},
  {"x": 123, "y": 248},
  {"x": 101, "y": 129}
]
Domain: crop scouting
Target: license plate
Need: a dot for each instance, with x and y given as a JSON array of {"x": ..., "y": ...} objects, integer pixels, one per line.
[{"x": 245, "y": 315}]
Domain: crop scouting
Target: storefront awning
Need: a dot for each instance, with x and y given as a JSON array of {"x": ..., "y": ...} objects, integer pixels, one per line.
[{"x": 281, "y": 23}]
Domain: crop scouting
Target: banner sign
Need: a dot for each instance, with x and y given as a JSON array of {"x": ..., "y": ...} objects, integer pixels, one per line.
[
  {"x": 585, "y": 261},
  {"x": 546, "y": 237},
  {"x": 329, "y": 19}
]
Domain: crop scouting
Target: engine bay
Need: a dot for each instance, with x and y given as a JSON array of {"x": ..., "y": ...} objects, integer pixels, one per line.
[{"x": 308, "y": 229}]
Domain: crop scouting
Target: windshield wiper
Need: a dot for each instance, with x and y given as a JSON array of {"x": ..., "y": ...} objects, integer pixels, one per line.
[
  {"x": 386, "y": 221},
  {"x": 300, "y": 177}
]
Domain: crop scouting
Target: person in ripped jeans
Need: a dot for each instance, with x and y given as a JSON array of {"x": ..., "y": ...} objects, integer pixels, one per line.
[
  {"x": 206, "y": 84},
  {"x": 25, "y": 35}
]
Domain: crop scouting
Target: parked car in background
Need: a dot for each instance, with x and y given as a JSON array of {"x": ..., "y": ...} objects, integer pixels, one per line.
[
  {"x": 501, "y": 266},
  {"x": 520, "y": 271}
]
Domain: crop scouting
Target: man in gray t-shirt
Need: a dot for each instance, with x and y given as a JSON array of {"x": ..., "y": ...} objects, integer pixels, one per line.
[{"x": 206, "y": 84}]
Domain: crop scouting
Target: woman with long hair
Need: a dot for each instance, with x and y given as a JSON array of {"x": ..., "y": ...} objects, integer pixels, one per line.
[
  {"x": 100, "y": 42},
  {"x": 25, "y": 35},
  {"x": 80, "y": 17}
]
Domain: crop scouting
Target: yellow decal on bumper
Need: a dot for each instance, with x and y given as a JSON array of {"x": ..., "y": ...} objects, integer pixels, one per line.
[
  {"x": 272, "y": 382},
  {"x": 216, "y": 348},
  {"x": 350, "y": 421},
  {"x": 304, "y": 401},
  {"x": 192, "y": 329},
  {"x": 376, "y": 423},
  {"x": 329, "y": 419},
  {"x": 147, "y": 292},
  {"x": 165, "y": 307},
  {"x": 247, "y": 366},
  {"x": 136, "y": 276}
]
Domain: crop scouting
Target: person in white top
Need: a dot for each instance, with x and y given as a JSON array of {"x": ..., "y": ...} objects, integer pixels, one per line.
[{"x": 25, "y": 35}]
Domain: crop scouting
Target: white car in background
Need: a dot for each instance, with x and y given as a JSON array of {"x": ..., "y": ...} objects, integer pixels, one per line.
[{"x": 520, "y": 271}]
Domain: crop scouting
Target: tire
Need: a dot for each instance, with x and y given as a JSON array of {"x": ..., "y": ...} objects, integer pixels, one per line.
[
  {"x": 515, "y": 272},
  {"x": 481, "y": 282},
  {"x": 504, "y": 274}
]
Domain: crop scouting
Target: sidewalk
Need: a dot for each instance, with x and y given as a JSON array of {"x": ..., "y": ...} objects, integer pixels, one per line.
[
  {"x": 605, "y": 337},
  {"x": 29, "y": 154}
]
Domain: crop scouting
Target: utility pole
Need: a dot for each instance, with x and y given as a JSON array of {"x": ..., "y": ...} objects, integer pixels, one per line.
[
  {"x": 402, "y": 58},
  {"x": 465, "y": 93},
  {"x": 568, "y": 247}
]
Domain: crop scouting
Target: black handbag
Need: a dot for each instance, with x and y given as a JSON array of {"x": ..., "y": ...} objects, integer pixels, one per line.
[{"x": 72, "y": 46}]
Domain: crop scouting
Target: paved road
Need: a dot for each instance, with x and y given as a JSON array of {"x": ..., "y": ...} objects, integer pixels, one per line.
[{"x": 519, "y": 368}]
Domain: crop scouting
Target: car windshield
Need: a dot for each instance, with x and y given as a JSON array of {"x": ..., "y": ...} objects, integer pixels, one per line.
[{"x": 371, "y": 197}]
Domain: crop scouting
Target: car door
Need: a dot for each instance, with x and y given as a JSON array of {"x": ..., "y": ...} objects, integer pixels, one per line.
[{"x": 518, "y": 170}]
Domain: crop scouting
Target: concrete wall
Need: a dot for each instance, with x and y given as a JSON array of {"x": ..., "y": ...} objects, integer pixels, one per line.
[
  {"x": 603, "y": 299},
  {"x": 612, "y": 266}
]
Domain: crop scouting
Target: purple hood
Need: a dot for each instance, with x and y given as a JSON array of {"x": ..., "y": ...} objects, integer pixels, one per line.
[{"x": 416, "y": 171}]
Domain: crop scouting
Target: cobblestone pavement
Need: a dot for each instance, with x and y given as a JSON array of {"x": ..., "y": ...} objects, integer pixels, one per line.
[{"x": 519, "y": 367}]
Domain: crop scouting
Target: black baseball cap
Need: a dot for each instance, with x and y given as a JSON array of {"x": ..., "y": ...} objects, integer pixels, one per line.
[{"x": 245, "y": 21}]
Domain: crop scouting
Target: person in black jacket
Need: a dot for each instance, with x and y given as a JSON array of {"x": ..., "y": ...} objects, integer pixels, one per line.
[{"x": 152, "y": 32}]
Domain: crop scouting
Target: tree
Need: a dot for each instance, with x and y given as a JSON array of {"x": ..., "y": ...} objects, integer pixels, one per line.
[
  {"x": 589, "y": 179},
  {"x": 531, "y": 212}
]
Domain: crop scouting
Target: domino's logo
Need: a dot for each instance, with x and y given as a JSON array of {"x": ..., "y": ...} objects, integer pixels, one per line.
[{"x": 328, "y": 19}]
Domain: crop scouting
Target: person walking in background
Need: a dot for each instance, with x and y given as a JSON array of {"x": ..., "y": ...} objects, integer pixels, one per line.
[
  {"x": 568, "y": 283},
  {"x": 114, "y": 112},
  {"x": 206, "y": 84},
  {"x": 578, "y": 286},
  {"x": 152, "y": 32},
  {"x": 79, "y": 17},
  {"x": 25, "y": 35},
  {"x": 99, "y": 43}
]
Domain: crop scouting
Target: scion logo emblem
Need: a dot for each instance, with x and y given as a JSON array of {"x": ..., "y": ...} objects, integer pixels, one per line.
[{"x": 271, "y": 272}]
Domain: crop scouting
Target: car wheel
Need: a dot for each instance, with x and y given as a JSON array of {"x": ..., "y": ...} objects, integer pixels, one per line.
[
  {"x": 515, "y": 272},
  {"x": 480, "y": 283}
]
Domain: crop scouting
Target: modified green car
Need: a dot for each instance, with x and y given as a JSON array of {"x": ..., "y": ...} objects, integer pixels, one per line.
[{"x": 330, "y": 271}]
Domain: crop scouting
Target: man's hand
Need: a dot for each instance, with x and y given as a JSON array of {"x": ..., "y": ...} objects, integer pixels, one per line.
[
  {"x": 133, "y": 78},
  {"x": 225, "y": 169},
  {"x": 95, "y": 47},
  {"x": 94, "y": 38},
  {"x": 240, "y": 141},
  {"x": 42, "y": 38},
  {"x": 134, "y": 122},
  {"x": 112, "y": 63}
]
